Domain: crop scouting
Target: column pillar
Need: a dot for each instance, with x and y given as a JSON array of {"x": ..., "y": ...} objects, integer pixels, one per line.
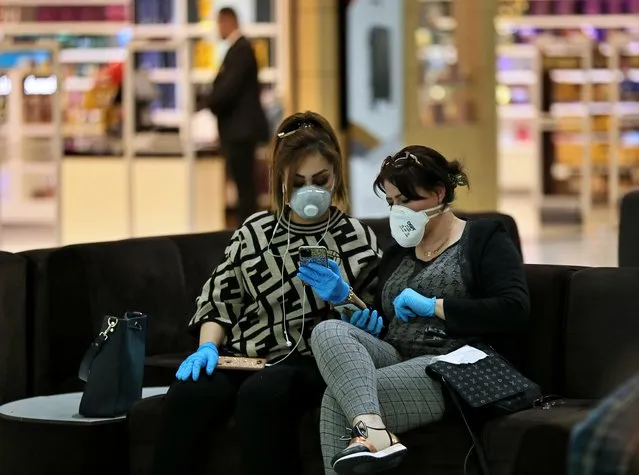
[
  {"x": 315, "y": 74},
  {"x": 314, "y": 48},
  {"x": 475, "y": 142}
]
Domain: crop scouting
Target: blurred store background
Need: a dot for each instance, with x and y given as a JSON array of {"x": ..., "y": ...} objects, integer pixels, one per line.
[{"x": 101, "y": 136}]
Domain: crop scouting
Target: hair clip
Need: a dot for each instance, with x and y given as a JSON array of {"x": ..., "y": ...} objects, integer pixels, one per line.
[
  {"x": 302, "y": 125},
  {"x": 458, "y": 179}
]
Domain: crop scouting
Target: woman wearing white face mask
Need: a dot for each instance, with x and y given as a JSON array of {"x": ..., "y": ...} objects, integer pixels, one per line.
[
  {"x": 446, "y": 282},
  {"x": 254, "y": 305}
]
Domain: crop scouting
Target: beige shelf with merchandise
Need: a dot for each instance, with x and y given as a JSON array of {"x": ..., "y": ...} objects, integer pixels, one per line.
[
  {"x": 29, "y": 137},
  {"x": 108, "y": 179},
  {"x": 580, "y": 133}
]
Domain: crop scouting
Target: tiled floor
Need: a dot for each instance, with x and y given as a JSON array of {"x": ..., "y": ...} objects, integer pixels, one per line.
[{"x": 594, "y": 245}]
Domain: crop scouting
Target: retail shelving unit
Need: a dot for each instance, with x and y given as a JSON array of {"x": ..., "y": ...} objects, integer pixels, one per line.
[
  {"x": 106, "y": 188},
  {"x": 519, "y": 107},
  {"x": 30, "y": 136},
  {"x": 578, "y": 127}
]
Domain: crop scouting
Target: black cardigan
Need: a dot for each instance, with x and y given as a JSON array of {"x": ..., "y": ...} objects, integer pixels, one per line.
[{"x": 494, "y": 277}]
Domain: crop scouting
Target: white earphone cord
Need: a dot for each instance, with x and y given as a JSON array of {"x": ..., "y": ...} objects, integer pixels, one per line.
[{"x": 282, "y": 269}]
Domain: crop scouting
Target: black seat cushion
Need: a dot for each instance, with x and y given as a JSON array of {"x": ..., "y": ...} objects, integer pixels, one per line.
[
  {"x": 13, "y": 327},
  {"x": 533, "y": 441},
  {"x": 629, "y": 230},
  {"x": 201, "y": 254},
  {"x": 538, "y": 349},
  {"x": 602, "y": 331},
  {"x": 89, "y": 281}
]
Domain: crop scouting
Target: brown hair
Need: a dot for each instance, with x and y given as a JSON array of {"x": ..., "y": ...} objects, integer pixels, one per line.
[
  {"x": 298, "y": 136},
  {"x": 417, "y": 166}
]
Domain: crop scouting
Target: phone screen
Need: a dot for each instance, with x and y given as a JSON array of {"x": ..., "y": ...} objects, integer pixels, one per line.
[{"x": 316, "y": 254}]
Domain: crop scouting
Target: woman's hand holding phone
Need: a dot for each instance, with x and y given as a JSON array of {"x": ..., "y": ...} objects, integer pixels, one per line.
[{"x": 327, "y": 282}]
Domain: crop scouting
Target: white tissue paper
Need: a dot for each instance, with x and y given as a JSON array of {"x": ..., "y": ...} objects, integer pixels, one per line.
[{"x": 464, "y": 355}]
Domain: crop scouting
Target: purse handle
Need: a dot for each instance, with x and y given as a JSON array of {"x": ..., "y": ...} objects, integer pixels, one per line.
[
  {"x": 95, "y": 347},
  {"x": 479, "y": 447}
]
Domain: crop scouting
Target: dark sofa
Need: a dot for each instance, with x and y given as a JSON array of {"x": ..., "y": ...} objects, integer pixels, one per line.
[
  {"x": 13, "y": 328},
  {"x": 628, "y": 252},
  {"x": 584, "y": 324}
]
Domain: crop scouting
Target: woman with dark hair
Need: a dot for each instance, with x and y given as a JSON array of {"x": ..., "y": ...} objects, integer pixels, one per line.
[
  {"x": 446, "y": 282},
  {"x": 254, "y": 306}
]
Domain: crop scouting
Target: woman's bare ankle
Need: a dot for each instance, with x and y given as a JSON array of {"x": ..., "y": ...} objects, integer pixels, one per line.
[{"x": 374, "y": 430}]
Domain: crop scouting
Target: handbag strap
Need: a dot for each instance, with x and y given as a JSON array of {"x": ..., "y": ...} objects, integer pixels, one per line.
[
  {"x": 479, "y": 448},
  {"x": 94, "y": 349}
]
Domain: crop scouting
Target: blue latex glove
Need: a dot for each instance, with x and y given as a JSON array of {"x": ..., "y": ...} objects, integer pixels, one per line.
[
  {"x": 206, "y": 356},
  {"x": 327, "y": 282},
  {"x": 366, "y": 320},
  {"x": 410, "y": 304}
]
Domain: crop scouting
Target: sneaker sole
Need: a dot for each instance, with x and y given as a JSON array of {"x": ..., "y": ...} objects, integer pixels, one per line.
[{"x": 366, "y": 462}]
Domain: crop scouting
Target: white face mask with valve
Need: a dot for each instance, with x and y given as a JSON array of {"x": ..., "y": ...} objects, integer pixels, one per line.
[{"x": 408, "y": 226}]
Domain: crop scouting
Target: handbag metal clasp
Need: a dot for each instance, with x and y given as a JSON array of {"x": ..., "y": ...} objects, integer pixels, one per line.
[{"x": 112, "y": 322}]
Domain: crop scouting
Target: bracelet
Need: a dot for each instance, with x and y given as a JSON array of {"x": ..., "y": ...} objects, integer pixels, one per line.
[{"x": 350, "y": 297}]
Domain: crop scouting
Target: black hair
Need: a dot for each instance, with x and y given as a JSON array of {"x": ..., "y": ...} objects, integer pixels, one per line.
[
  {"x": 228, "y": 12},
  {"x": 417, "y": 166}
]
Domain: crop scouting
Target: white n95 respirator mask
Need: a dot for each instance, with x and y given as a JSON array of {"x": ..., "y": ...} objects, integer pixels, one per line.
[{"x": 408, "y": 226}]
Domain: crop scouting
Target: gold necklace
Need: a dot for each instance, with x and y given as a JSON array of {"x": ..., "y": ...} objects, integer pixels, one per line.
[{"x": 435, "y": 252}]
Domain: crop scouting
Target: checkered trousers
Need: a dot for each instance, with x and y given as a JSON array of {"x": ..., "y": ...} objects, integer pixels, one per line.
[{"x": 365, "y": 375}]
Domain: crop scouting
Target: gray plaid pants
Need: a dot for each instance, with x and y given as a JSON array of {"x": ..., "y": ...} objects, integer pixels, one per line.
[{"x": 365, "y": 375}]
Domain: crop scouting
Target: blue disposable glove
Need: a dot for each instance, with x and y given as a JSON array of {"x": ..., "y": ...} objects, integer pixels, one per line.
[
  {"x": 366, "y": 320},
  {"x": 410, "y": 304},
  {"x": 206, "y": 356},
  {"x": 327, "y": 282}
]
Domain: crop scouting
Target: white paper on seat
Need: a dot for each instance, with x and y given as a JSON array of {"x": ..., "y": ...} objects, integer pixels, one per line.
[{"x": 464, "y": 355}]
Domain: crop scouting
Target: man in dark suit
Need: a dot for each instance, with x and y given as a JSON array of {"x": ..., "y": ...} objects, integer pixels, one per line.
[{"x": 235, "y": 100}]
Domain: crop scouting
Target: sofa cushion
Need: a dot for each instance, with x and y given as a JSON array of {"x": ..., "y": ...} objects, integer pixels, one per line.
[
  {"x": 37, "y": 306},
  {"x": 201, "y": 254},
  {"x": 602, "y": 331},
  {"x": 88, "y": 281},
  {"x": 534, "y": 441},
  {"x": 13, "y": 329},
  {"x": 159, "y": 370},
  {"x": 629, "y": 230},
  {"x": 537, "y": 350}
]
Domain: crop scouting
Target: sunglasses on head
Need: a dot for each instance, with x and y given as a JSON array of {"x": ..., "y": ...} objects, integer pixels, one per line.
[
  {"x": 401, "y": 161},
  {"x": 407, "y": 159},
  {"x": 294, "y": 127}
]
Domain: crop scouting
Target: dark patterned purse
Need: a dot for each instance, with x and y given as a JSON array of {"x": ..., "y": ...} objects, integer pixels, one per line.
[{"x": 491, "y": 384}]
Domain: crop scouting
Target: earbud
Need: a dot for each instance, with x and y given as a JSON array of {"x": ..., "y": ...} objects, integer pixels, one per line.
[{"x": 289, "y": 343}]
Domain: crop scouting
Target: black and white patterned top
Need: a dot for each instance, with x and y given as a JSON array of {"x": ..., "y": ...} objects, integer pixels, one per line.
[
  {"x": 440, "y": 278},
  {"x": 244, "y": 293}
]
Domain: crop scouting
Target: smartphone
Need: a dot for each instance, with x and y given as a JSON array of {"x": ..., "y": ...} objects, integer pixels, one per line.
[
  {"x": 240, "y": 363},
  {"x": 316, "y": 254}
]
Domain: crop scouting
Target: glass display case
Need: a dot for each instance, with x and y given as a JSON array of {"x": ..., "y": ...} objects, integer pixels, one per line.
[
  {"x": 585, "y": 119},
  {"x": 443, "y": 93}
]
